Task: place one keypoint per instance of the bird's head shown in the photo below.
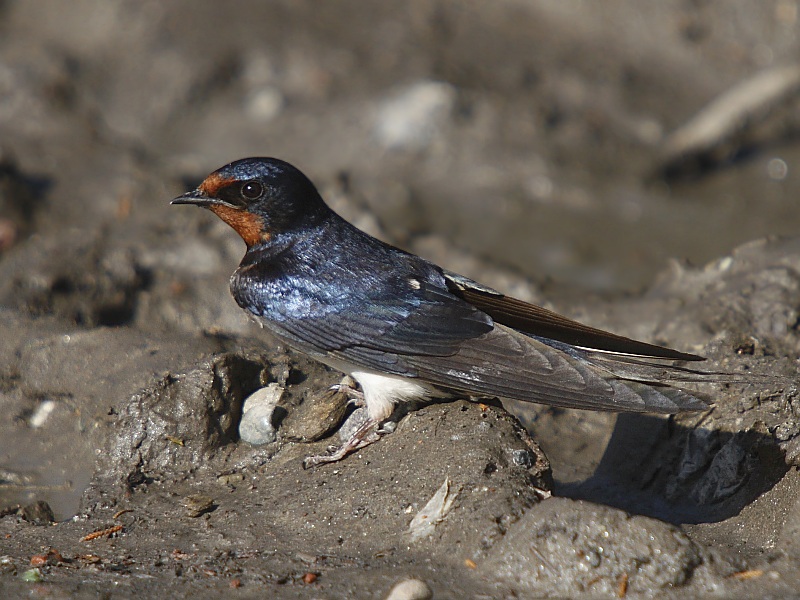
(259, 198)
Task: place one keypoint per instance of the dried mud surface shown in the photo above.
(523, 144)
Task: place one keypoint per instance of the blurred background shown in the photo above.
(554, 149)
(534, 134)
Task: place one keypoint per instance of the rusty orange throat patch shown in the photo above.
(246, 224)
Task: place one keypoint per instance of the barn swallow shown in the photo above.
(404, 328)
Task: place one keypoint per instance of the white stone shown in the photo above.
(256, 426)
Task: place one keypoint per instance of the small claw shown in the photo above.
(357, 401)
(349, 388)
(387, 427)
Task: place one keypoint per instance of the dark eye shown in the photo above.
(252, 190)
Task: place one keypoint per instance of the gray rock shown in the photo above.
(173, 427)
(579, 548)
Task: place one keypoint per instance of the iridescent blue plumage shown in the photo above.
(401, 325)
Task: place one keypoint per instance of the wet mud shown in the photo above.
(558, 151)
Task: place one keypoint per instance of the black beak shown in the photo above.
(195, 197)
(199, 198)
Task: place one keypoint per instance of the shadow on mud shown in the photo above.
(657, 468)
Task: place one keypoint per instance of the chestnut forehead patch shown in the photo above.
(214, 183)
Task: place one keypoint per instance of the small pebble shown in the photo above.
(410, 589)
(522, 458)
(231, 479)
(42, 413)
(356, 419)
(309, 578)
(256, 426)
(198, 504)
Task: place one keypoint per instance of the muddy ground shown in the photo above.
(569, 153)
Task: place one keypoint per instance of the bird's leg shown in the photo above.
(365, 435)
(368, 432)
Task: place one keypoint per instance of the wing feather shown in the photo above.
(504, 363)
(446, 330)
(538, 321)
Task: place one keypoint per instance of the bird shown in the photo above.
(405, 329)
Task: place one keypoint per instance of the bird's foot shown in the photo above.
(365, 435)
(349, 387)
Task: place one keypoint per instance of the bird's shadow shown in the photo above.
(658, 468)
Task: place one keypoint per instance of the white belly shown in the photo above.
(382, 391)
